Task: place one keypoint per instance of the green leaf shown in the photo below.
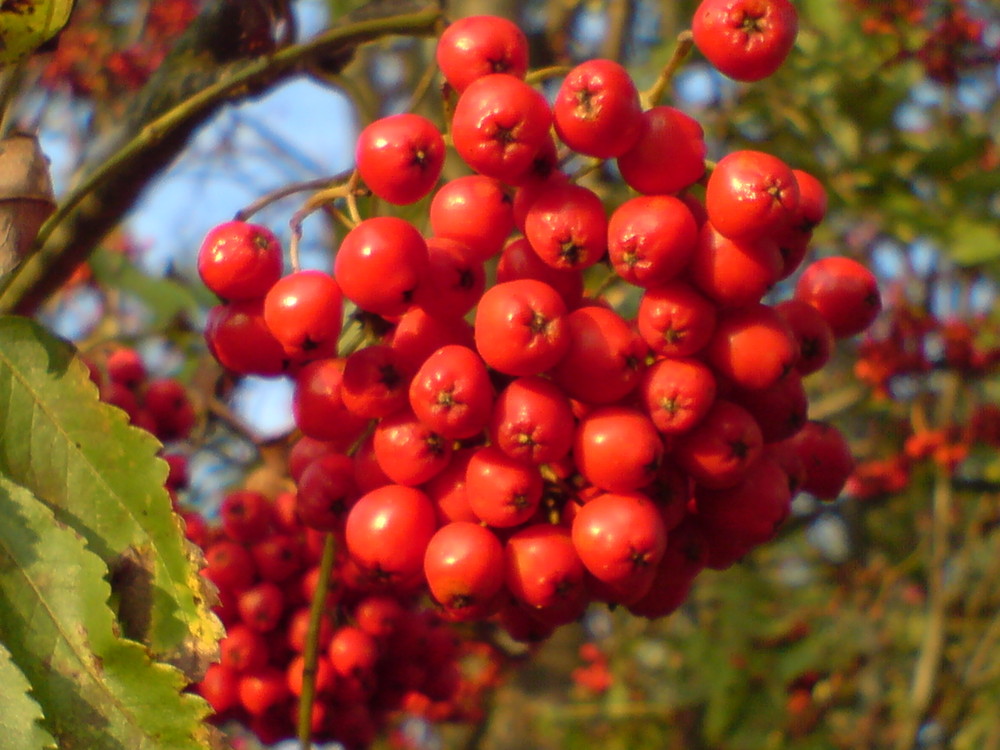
(27, 24)
(165, 299)
(20, 725)
(101, 477)
(97, 690)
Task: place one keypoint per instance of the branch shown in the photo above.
(168, 113)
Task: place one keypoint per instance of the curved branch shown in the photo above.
(165, 122)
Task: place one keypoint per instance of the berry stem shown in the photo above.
(652, 96)
(311, 650)
(544, 74)
(264, 201)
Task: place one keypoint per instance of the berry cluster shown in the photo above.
(380, 655)
(105, 51)
(952, 39)
(158, 405)
(518, 449)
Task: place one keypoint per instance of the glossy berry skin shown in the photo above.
(239, 261)
(374, 383)
(751, 194)
(532, 421)
(407, 450)
(304, 312)
(811, 331)
(543, 568)
(677, 393)
(451, 393)
(520, 327)
(387, 533)
(400, 157)
(499, 126)
(651, 239)
(597, 110)
(567, 227)
(745, 39)
(752, 347)
(380, 263)
(617, 448)
(476, 46)
(240, 340)
(826, 458)
(474, 210)
(318, 406)
(503, 492)
(464, 566)
(669, 154)
(519, 261)
(417, 335)
(605, 357)
(620, 538)
(454, 281)
(733, 273)
(446, 489)
(719, 451)
(843, 291)
(675, 320)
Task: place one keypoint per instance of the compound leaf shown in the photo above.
(97, 690)
(101, 477)
(20, 725)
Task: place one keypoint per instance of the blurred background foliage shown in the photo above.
(872, 621)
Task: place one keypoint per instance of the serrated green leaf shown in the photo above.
(27, 24)
(101, 477)
(97, 690)
(165, 299)
(20, 720)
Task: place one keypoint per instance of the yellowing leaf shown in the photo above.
(27, 24)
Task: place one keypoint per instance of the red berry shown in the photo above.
(745, 39)
(400, 157)
(843, 291)
(520, 327)
(239, 261)
(304, 312)
(597, 110)
(477, 46)
(669, 154)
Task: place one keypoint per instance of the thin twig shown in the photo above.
(652, 96)
(311, 651)
(264, 201)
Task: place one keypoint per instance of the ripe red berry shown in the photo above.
(239, 261)
(617, 448)
(318, 406)
(246, 516)
(477, 46)
(532, 421)
(409, 451)
(380, 263)
(520, 327)
(399, 157)
(677, 393)
(503, 492)
(240, 340)
(304, 312)
(474, 210)
(464, 567)
(567, 227)
(387, 532)
(605, 357)
(718, 452)
(651, 239)
(543, 568)
(519, 261)
(597, 110)
(745, 39)
(751, 194)
(675, 320)
(752, 346)
(843, 291)
(669, 154)
(499, 127)
(451, 393)
(620, 538)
